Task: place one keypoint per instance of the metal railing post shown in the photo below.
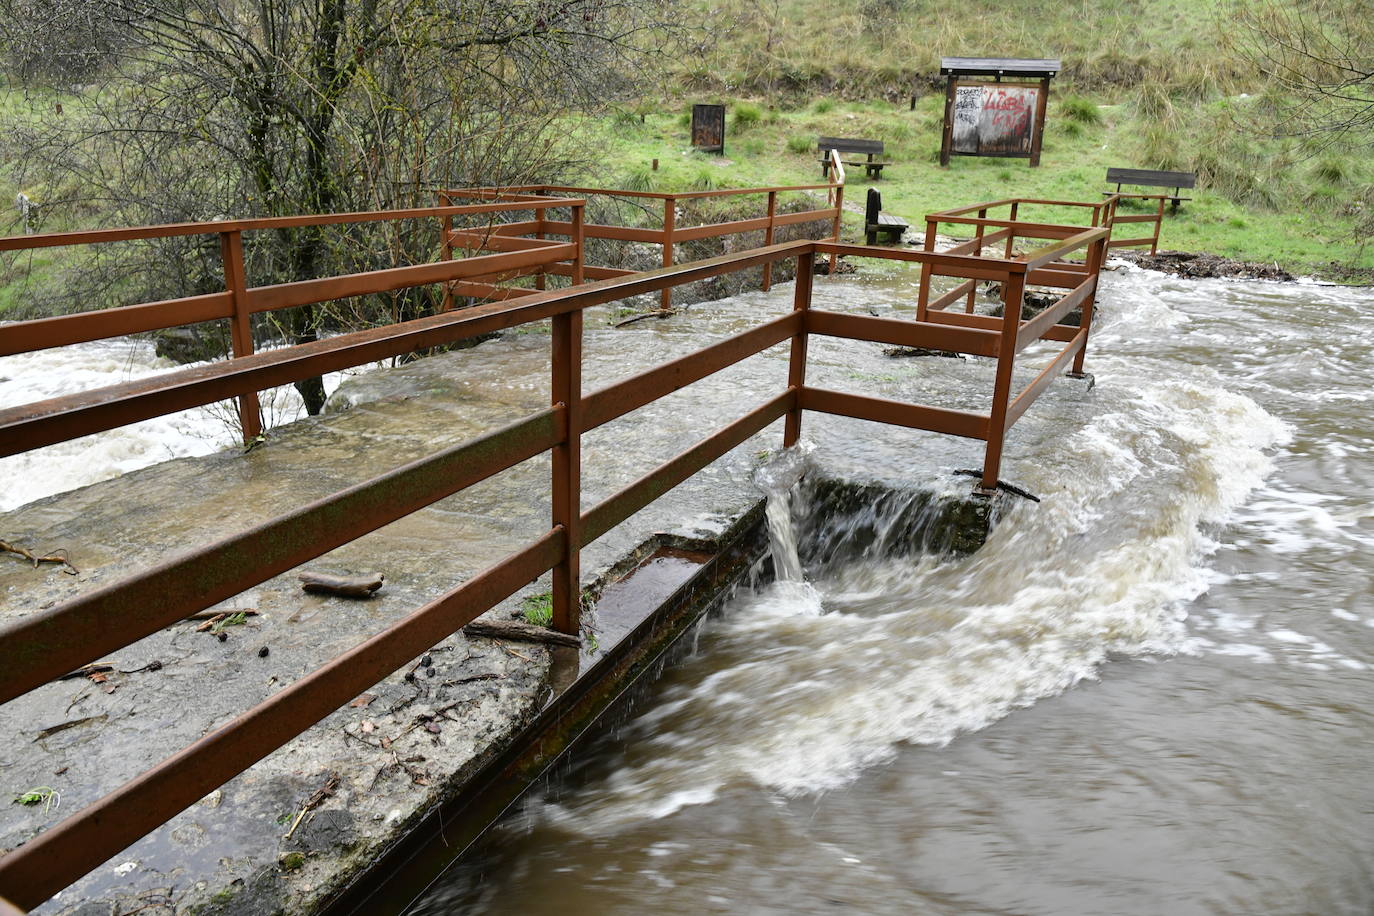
(768, 239)
(1013, 292)
(567, 469)
(446, 249)
(1097, 254)
(978, 252)
(240, 327)
(541, 278)
(923, 296)
(1011, 237)
(1159, 227)
(579, 238)
(669, 226)
(796, 366)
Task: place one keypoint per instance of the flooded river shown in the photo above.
(1149, 693)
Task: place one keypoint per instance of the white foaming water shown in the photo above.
(30, 377)
(918, 650)
(777, 479)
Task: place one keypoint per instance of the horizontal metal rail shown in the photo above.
(48, 644)
(214, 227)
(46, 422)
(84, 840)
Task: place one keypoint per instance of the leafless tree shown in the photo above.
(1320, 53)
(218, 108)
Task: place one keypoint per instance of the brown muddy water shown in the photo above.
(1150, 693)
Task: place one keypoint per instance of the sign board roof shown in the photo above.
(998, 66)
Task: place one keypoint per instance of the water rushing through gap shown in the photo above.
(1149, 693)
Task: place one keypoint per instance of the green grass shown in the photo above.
(1262, 201)
(887, 48)
(538, 609)
(46, 796)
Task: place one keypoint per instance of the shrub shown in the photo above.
(1331, 170)
(640, 178)
(625, 118)
(746, 115)
(705, 180)
(1080, 110)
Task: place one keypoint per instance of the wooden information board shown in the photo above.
(994, 117)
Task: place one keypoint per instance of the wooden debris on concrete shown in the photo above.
(343, 586)
(519, 631)
(59, 557)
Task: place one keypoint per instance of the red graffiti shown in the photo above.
(1011, 110)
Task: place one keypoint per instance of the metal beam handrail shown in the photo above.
(211, 227)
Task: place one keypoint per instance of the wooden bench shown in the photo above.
(1153, 178)
(876, 222)
(869, 148)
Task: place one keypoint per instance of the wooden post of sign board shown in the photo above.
(1041, 101)
(947, 137)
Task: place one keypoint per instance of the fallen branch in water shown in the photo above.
(59, 557)
(344, 586)
(656, 313)
(518, 631)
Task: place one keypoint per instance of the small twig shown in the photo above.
(59, 557)
(212, 615)
(316, 799)
(88, 670)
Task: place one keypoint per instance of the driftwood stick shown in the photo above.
(59, 557)
(345, 586)
(518, 631)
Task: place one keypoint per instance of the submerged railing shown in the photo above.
(50, 643)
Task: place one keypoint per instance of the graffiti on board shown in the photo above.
(994, 120)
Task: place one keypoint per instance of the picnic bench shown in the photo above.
(876, 222)
(868, 148)
(1153, 178)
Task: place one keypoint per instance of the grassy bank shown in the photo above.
(1262, 201)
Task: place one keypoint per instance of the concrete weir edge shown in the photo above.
(567, 722)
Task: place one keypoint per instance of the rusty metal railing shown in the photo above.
(49, 643)
(1044, 266)
(239, 301)
(666, 237)
(1114, 218)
